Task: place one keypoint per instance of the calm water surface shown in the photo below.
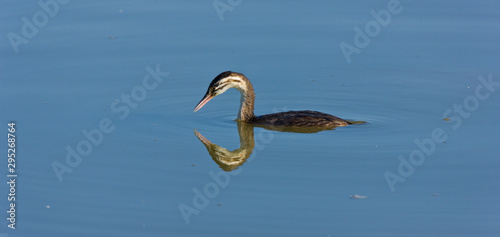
(137, 179)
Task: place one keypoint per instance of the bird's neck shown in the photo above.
(247, 102)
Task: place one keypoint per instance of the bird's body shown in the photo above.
(304, 118)
(236, 80)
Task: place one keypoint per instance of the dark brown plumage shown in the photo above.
(304, 118)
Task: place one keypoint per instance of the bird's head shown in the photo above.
(221, 83)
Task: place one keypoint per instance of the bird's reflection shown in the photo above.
(230, 160)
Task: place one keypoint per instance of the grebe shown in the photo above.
(305, 118)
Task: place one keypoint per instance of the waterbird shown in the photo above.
(297, 119)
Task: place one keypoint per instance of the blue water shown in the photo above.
(130, 73)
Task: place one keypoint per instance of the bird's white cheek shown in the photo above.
(221, 91)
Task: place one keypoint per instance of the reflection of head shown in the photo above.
(230, 160)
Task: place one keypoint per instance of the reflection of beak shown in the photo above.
(202, 138)
(203, 101)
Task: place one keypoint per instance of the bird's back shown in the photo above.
(304, 118)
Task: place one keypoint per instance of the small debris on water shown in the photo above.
(355, 196)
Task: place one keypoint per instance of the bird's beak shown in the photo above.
(203, 101)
